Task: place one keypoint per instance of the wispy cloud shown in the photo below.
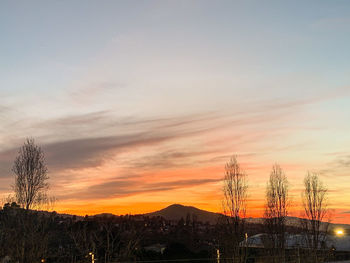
(132, 186)
(94, 91)
(88, 140)
(339, 165)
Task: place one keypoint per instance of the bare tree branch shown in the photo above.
(316, 210)
(276, 212)
(234, 204)
(30, 176)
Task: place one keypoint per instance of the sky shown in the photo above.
(139, 104)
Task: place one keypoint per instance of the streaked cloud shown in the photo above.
(132, 186)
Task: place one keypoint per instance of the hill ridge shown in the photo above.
(178, 211)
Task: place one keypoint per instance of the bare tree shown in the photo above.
(234, 204)
(315, 208)
(30, 175)
(276, 212)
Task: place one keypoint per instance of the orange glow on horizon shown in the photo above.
(181, 184)
(135, 208)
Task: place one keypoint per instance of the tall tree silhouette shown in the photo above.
(315, 209)
(235, 199)
(30, 175)
(276, 211)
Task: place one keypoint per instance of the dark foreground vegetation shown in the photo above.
(32, 236)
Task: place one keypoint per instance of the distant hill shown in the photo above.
(176, 212)
(105, 215)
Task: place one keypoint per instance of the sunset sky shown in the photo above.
(139, 104)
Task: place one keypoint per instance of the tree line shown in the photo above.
(277, 205)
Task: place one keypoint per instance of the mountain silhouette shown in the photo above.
(177, 211)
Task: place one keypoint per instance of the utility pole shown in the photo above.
(246, 247)
(298, 254)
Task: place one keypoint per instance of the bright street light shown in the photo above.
(339, 232)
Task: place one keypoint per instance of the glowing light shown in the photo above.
(339, 232)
